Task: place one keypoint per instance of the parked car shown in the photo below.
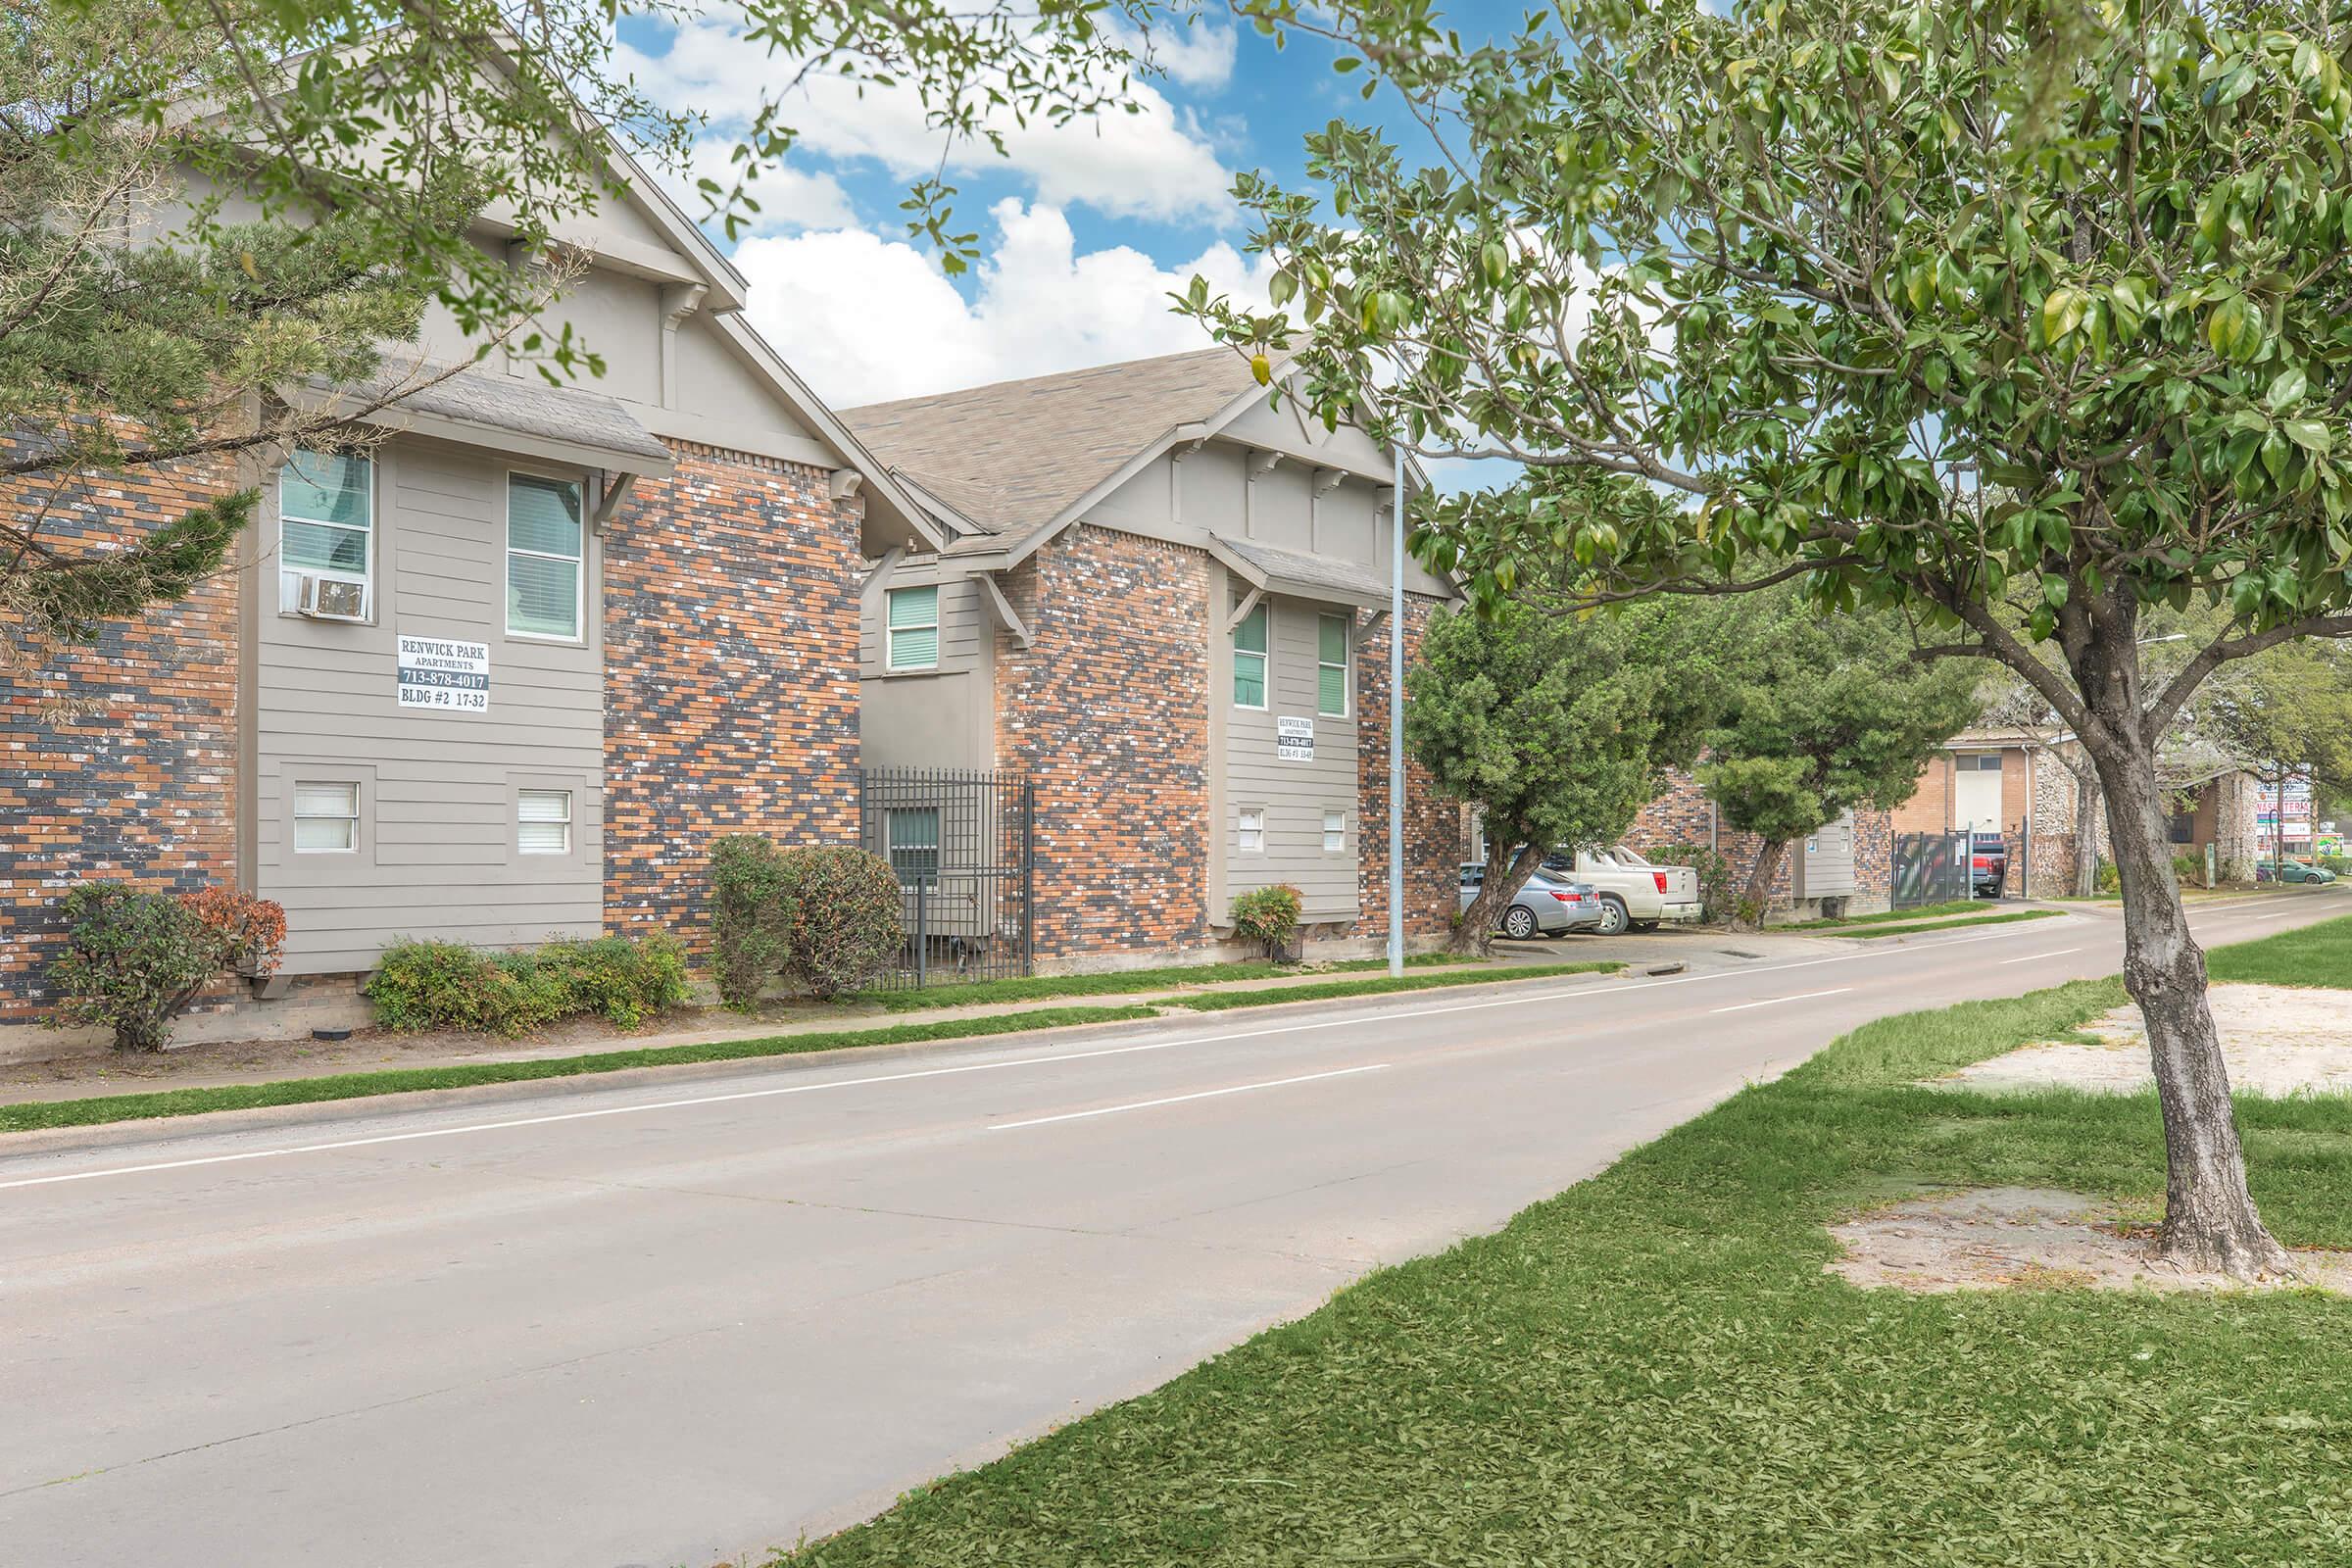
(2292, 870)
(1546, 906)
(1634, 892)
(1987, 864)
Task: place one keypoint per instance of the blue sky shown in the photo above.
(1085, 228)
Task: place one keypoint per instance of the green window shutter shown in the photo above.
(913, 628)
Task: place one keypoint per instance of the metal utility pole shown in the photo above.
(1396, 725)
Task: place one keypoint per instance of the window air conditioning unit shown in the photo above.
(330, 599)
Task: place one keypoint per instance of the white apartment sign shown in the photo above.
(1295, 740)
(450, 678)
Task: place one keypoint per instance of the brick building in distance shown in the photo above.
(498, 673)
(1163, 600)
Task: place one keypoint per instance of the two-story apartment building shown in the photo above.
(495, 672)
(1162, 597)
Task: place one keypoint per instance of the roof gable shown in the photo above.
(1014, 455)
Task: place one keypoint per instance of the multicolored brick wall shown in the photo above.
(730, 676)
(1106, 710)
(1433, 823)
(119, 758)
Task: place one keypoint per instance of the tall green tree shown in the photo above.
(1828, 714)
(2022, 317)
(1556, 729)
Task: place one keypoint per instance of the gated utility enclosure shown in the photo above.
(964, 846)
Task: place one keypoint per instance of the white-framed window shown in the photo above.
(1250, 656)
(543, 822)
(1331, 666)
(1251, 832)
(326, 816)
(1335, 832)
(913, 630)
(912, 839)
(327, 516)
(546, 572)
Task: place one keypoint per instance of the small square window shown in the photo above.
(1252, 832)
(1335, 832)
(1250, 657)
(543, 822)
(327, 818)
(913, 628)
(1331, 666)
(913, 842)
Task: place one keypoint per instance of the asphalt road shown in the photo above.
(665, 1322)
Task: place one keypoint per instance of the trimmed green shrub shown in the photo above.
(845, 918)
(134, 960)
(449, 985)
(1269, 916)
(750, 916)
(1718, 889)
(2106, 879)
(822, 918)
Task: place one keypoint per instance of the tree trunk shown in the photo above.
(1755, 899)
(1506, 874)
(2086, 835)
(2210, 1222)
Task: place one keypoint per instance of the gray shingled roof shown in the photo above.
(1310, 577)
(530, 408)
(1015, 455)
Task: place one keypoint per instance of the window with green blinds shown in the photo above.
(1331, 666)
(326, 513)
(1249, 659)
(913, 628)
(544, 557)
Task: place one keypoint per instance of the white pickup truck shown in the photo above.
(1633, 893)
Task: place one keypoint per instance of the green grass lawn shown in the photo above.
(1381, 985)
(1949, 923)
(1923, 912)
(1121, 982)
(1652, 1368)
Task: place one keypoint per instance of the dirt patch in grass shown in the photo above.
(2026, 1237)
(2278, 1040)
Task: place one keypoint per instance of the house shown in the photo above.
(496, 675)
(1161, 601)
(2032, 784)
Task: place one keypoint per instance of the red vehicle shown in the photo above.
(1987, 864)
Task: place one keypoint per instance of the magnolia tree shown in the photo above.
(1558, 731)
(2015, 318)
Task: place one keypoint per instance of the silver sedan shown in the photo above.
(1547, 906)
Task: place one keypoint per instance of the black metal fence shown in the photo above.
(1932, 869)
(964, 846)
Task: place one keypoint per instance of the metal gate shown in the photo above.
(1932, 869)
(963, 847)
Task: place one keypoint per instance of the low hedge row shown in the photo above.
(448, 985)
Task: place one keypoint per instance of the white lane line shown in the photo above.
(1774, 1002)
(1178, 1099)
(1586, 991)
(2031, 957)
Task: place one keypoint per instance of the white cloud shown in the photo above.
(1154, 164)
(790, 197)
(1198, 55)
(866, 320)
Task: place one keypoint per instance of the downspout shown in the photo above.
(1396, 722)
